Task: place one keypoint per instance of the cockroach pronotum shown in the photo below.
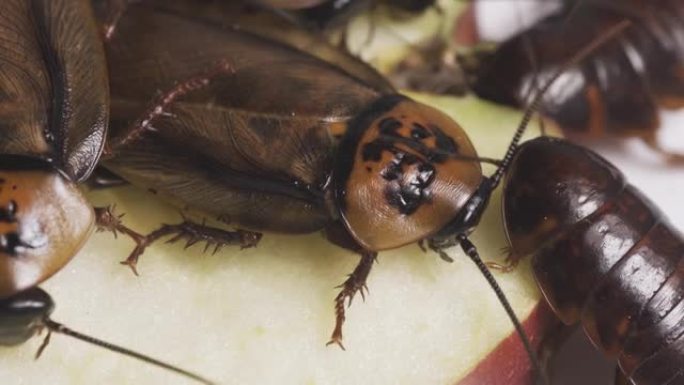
(602, 254)
(618, 90)
(54, 108)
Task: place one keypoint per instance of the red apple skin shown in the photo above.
(508, 363)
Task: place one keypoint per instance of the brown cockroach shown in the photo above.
(219, 130)
(346, 154)
(618, 90)
(54, 107)
(602, 254)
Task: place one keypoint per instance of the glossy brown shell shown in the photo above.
(53, 83)
(615, 91)
(397, 176)
(603, 255)
(44, 221)
(256, 144)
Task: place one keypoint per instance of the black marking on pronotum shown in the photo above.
(409, 180)
(372, 152)
(8, 213)
(389, 126)
(10, 243)
(349, 143)
(444, 143)
(418, 132)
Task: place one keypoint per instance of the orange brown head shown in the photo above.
(44, 221)
(404, 171)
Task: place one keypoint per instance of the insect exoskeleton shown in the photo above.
(603, 255)
(44, 221)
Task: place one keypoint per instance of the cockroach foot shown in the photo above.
(355, 283)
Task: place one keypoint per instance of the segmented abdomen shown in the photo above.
(603, 255)
(618, 89)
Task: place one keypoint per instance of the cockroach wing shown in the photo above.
(53, 83)
(249, 16)
(254, 142)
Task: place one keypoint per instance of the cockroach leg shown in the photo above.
(43, 345)
(439, 247)
(421, 245)
(192, 232)
(671, 157)
(509, 264)
(355, 283)
(164, 100)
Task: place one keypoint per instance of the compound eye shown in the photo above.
(44, 221)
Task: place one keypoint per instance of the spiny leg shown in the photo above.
(191, 231)
(355, 283)
(439, 245)
(159, 106)
(510, 262)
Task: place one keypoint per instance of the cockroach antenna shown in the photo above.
(55, 327)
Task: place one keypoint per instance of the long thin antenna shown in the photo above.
(471, 251)
(53, 326)
(534, 106)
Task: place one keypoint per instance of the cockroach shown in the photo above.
(618, 90)
(54, 107)
(264, 135)
(602, 255)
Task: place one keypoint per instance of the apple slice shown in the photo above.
(263, 315)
